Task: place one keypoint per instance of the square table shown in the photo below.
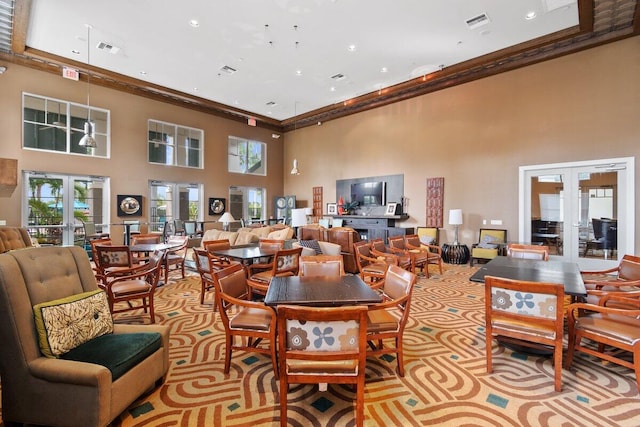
(552, 271)
(245, 254)
(320, 291)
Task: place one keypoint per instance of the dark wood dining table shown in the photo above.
(552, 271)
(245, 254)
(320, 291)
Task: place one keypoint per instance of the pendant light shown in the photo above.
(294, 169)
(88, 140)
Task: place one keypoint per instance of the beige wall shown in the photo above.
(127, 167)
(580, 107)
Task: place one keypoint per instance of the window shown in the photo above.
(248, 157)
(248, 203)
(175, 145)
(169, 201)
(54, 125)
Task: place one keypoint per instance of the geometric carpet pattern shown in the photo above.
(445, 379)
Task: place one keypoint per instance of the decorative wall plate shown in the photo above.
(129, 205)
(217, 206)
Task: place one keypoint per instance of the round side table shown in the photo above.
(455, 253)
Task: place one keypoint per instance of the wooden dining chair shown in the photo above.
(286, 262)
(387, 320)
(412, 243)
(140, 239)
(110, 258)
(372, 269)
(623, 279)
(206, 263)
(322, 345)
(419, 259)
(380, 250)
(612, 329)
(243, 318)
(321, 265)
(525, 313)
(136, 283)
(105, 241)
(176, 255)
(523, 251)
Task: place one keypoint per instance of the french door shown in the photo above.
(56, 205)
(584, 211)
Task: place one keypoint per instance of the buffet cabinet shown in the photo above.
(376, 227)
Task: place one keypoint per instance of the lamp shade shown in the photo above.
(455, 217)
(226, 218)
(308, 211)
(298, 217)
(294, 169)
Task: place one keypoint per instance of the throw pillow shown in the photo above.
(486, 242)
(66, 323)
(427, 240)
(312, 244)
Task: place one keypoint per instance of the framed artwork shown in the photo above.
(332, 209)
(391, 209)
(435, 202)
(217, 205)
(129, 205)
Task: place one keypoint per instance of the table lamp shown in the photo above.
(298, 218)
(455, 219)
(225, 219)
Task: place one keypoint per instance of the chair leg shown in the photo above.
(399, 356)
(152, 313)
(360, 404)
(557, 366)
(227, 353)
(283, 401)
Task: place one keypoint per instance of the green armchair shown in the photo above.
(48, 379)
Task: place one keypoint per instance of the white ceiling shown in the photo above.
(268, 41)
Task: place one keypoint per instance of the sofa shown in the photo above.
(47, 378)
(249, 235)
(12, 238)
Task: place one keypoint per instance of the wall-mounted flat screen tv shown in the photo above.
(369, 193)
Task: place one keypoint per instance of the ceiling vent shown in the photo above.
(478, 21)
(228, 70)
(271, 103)
(108, 48)
(338, 76)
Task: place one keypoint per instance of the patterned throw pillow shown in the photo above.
(312, 244)
(66, 323)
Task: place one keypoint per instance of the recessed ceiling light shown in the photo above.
(383, 70)
(75, 52)
(298, 72)
(195, 89)
(351, 48)
(530, 15)
(194, 23)
(332, 88)
(144, 73)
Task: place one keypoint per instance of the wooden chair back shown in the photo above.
(306, 358)
(518, 250)
(321, 265)
(527, 313)
(271, 244)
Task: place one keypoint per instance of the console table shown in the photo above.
(376, 227)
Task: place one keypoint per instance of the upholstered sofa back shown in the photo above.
(13, 238)
(248, 235)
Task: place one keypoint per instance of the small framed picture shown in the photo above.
(332, 209)
(129, 205)
(391, 209)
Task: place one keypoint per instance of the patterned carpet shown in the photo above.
(445, 381)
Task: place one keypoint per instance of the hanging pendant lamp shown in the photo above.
(294, 170)
(89, 138)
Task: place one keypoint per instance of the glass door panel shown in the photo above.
(583, 211)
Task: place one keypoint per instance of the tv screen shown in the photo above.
(368, 193)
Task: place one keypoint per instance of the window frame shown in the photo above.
(180, 153)
(72, 134)
(233, 151)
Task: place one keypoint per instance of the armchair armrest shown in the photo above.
(599, 284)
(70, 372)
(258, 267)
(388, 258)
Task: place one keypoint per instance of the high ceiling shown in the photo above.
(287, 62)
